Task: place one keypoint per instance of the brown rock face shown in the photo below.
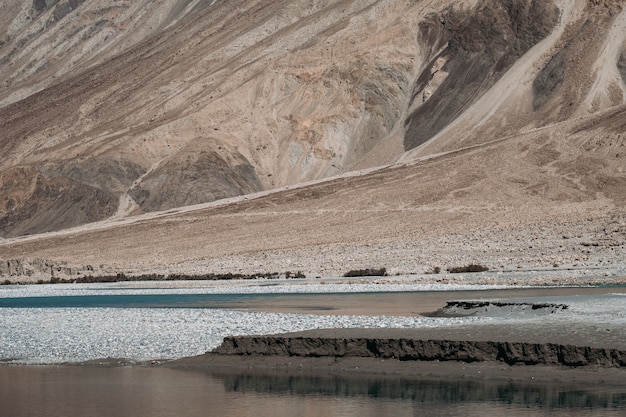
(621, 65)
(195, 177)
(478, 47)
(33, 202)
(424, 350)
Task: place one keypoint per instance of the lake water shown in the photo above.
(55, 324)
(73, 391)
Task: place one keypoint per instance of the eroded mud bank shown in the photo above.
(403, 349)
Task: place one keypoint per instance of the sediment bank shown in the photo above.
(407, 349)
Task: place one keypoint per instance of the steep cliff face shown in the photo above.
(150, 105)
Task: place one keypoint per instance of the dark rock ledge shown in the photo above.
(405, 349)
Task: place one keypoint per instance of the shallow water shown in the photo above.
(52, 324)
(361, 299)
(71, 323)
(155, 392)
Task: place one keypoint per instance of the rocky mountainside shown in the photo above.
(505, 112)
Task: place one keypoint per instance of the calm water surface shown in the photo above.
(70, 391)
(136, 391)
(379, 303)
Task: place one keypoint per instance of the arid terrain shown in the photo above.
(212, 137)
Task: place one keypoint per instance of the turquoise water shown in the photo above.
(135, 301)
(76, 326)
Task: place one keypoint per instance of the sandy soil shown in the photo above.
(404, 219)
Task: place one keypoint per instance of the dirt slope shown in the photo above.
(264, 94)
(508, 118)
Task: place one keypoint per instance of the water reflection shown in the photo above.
(445, 392)
(136, 391)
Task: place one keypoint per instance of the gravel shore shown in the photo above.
(86, 332)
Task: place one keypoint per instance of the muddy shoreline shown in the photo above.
(410, 349)
(512, 352)
(441, 360)
(585, 377)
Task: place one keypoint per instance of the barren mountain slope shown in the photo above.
(158, 105)
(238, 95)
(509, 116)
(529, 202)
(577, 71)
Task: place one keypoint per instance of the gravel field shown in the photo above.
(58, 335)
(46, 336)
